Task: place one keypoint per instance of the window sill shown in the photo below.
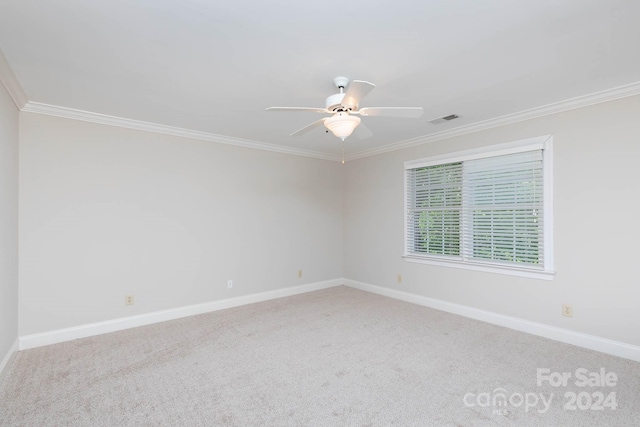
(512, 271)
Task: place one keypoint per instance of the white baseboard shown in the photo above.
(615, 348)
(83, 331)
(591, 342)
(12, 351)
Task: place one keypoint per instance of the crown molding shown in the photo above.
(87, 116)
(545, 110)
(574, 103)
(10, 81)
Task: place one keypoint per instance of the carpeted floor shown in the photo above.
(338, 356)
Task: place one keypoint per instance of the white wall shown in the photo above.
(107, 211)
(8, 223)
(597, 203)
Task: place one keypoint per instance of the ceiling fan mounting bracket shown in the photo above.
(341, 82)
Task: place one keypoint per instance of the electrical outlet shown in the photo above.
(128, 300)
(229, 284)
(399, 278)
(299, 273)
(567, 310)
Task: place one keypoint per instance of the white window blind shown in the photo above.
(503, 205)
(435, 209)
(487, 208)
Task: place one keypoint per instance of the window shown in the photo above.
(487, 209)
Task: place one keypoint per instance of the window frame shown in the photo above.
(546, 271)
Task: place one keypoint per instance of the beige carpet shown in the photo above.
(334, 357)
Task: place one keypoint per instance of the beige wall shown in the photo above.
(597, 202)
(8, 222)
(107, 211)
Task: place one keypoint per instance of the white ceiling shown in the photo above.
(214, 66)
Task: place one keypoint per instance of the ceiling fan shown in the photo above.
(345, 106)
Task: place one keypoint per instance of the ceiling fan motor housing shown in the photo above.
(334, 102)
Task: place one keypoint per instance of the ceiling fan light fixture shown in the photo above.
(342, 124)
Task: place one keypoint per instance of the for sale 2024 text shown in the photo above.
(582, 377)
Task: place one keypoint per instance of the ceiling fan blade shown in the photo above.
(358, 89)
(362, 132)
(412, 112)
(314, 109)
(307, 128)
